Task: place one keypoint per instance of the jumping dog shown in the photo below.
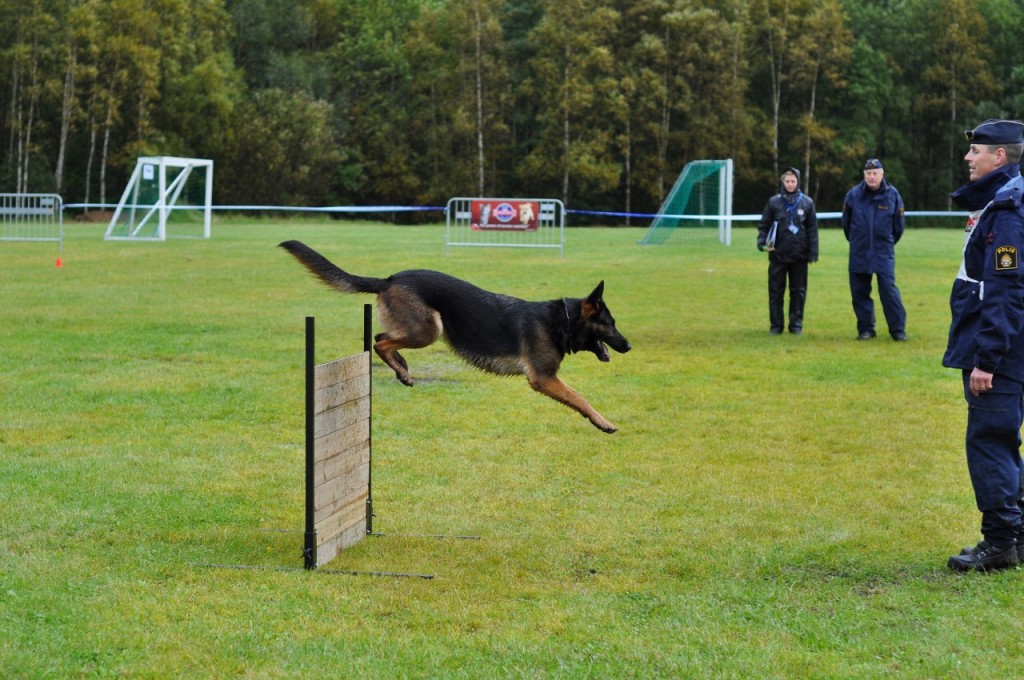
(496, 333)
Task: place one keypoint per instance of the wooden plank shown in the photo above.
(342, 369)
(337, 506)
(330, 549)
(343, 463)
(341, 504)
(342, 520)
(340, 441)
(332, 490)
(336, 419)
(336, 493)
(342, 392)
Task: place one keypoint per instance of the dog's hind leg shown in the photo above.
(380, 337)
(387, 349)
(409, 324)
(553, 387)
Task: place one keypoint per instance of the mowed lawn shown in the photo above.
(772, 507)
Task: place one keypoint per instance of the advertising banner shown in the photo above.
(504, 215)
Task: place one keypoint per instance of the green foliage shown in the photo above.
(572, 75)
(289, 136)
(772, 507)
(372, 76)
(597, 103)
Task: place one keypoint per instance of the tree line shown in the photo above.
(599, 103)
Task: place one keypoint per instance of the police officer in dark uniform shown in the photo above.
(873, 223)
(789, 232)
(986, 339)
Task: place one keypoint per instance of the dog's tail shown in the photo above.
(330, 274)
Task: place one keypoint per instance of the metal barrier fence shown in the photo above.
(505, 222)
(32, 217)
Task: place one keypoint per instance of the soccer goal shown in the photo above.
(700, 202)
(166, 197)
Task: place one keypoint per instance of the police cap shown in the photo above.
(994, 131)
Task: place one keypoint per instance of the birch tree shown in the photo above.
(33, 28)
(956, 78)
(821, 51)
(572, 81)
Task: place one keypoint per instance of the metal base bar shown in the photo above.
(337, 572)
(446, 536)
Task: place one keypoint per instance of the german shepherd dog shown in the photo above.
(496, 333)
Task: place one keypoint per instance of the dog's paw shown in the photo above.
(604, 426)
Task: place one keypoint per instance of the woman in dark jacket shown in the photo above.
(789, 232)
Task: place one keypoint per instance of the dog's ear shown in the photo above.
(592, 305)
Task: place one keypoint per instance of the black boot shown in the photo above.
(985, 557)
(1020, 548)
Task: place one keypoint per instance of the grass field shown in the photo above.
(772, 507)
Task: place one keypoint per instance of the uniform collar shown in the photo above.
(979, 193)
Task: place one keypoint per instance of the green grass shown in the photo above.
(771, 507)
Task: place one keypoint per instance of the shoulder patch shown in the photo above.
(1006, 258)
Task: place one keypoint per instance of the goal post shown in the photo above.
(701, 198)
(166, 196)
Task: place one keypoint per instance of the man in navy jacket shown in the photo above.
(986, 339)
(873, 224)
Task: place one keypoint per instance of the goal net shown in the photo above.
(700, 200)
(166, 197)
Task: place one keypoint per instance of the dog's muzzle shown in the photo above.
(620, 345)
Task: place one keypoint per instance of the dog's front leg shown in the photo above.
(553, 387)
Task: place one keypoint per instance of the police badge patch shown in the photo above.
(1006, 258)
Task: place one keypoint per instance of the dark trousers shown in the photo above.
(888, 294)
(778, 273)
(994, 420)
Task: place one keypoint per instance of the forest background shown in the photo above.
(598, 103)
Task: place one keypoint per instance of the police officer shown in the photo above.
(789, 232)
(873, 224)
(986, 339)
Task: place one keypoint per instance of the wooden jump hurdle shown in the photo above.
(339, 502)
(339, 454)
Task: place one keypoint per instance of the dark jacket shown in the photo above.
(873, 223)
(784, 209)
(987, 328)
